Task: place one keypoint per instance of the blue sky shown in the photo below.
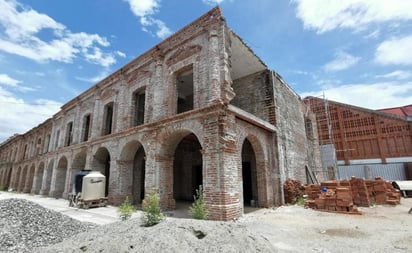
(354, 51)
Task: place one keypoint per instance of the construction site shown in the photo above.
(200, 110)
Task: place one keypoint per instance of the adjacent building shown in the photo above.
(365, 143)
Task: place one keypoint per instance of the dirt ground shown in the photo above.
(283, 229)
(295, 229)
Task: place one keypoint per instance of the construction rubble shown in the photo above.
(344, 196)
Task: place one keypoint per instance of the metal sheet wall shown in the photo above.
(392, 171)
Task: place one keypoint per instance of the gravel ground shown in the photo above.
(25, 225)
(285, 229)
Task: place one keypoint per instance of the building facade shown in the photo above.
(200, 108)
(355, 141)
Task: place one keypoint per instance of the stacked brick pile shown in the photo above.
(293, 190)
(344, 196)
(382, 192)
(360, 192)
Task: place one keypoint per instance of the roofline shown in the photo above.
(212, 16)
(383, 114)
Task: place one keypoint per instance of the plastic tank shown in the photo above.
(78, 180)
(93, 186)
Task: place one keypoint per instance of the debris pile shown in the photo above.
(293, 190)
(26, 225)
(344, 196)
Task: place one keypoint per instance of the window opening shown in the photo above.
(86, 128)
(139, 107)
(108, 112)
(184, 82)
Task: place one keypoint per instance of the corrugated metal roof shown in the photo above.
(401, 111)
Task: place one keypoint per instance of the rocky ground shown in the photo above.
(25, 225)
(284, 229)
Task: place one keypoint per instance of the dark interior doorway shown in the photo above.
(187, 168)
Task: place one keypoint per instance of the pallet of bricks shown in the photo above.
(344, 196)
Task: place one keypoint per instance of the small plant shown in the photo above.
(152, 213)
(3, 188)
(198, 210)
(301, 201)
(126, 209)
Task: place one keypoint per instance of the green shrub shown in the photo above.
(198, 210)
(3, 188)
(152, 213)
(126, 209)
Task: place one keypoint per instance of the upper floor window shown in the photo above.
(86, 127)
(56, 143)
(138, 101)
(184, 85)
(25, 152)
(47, 144)
(108, 118)
(38, 151)
(69, 134)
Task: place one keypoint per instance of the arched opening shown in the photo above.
(139, 172)
(101, 162)
(29, 180)
(79, 163)
(22, 180)
(8, 177)
(60, 181)
(187, 169)
(38, 178)
(133, 165)
(249, 175)
(17, 179)
(48, 178)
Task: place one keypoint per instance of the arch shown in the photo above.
(133, 165)
(253, 173)
(48, 178)
(60, 177)
(181, 163)
(38, 178)
(78, 163)
(22, 179)
(8, 177)
(101, 162)
(16, 179)
(29, 179)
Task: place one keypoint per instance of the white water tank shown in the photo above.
(93, 186)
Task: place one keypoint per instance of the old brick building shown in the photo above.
(356, 141)
(198, 108)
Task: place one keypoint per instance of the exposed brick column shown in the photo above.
(214, 68)
(123, 104)
(160, 109)
(221, 172)
(165, 181)
(96, 123)
(123, 180)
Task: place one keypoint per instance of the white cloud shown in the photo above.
(7, 80)
(372, 96)
(22, 26)
(94, 79)
(121, 54)
(398, 74)
(395, 51)
(18, 116)
(324, 16)
(145, 9)
(342, 61)
(212, 2)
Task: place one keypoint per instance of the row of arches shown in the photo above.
(181, 160)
